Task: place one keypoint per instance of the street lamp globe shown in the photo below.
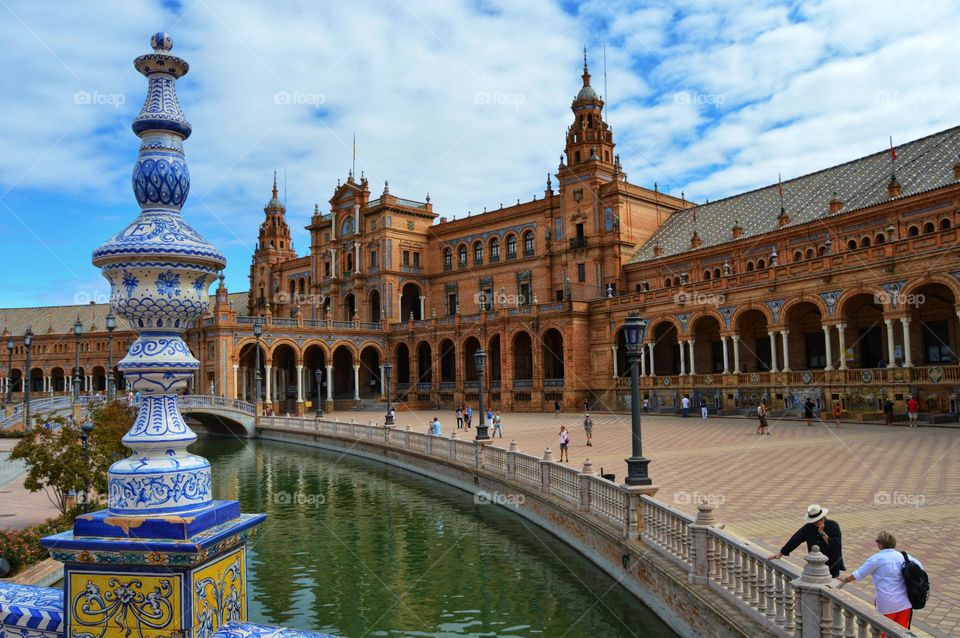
(10, 343)
(387, 372)
(480, 358)
(257, 328)
(634, 331)
(78, 327)
(111, 321)
(28, 337)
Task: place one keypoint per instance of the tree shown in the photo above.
(54, 453)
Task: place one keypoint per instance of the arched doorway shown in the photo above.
(424, 365)
(665, 348)
(933, 325)
(494, 372)
(343, 386)
(707, 347)
(374, 316)
(552, 353)
(284, 382)
(448, 362)
(349, 306)
(401, 366)
(470, 347)
(99, 379)
(522, 360)
(59, 380)
(16, 380)
(410, 302)
(246, 375)
(754, 341)
(865, 334)
(806, 343)
(370, 386)
(36, 380)
(623, 361)
(314, 358)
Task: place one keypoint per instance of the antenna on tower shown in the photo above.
(284, 188)
(606, 96)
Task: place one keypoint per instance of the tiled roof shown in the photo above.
(921, 165)
(60, 319)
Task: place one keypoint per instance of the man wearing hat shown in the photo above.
(821, 531)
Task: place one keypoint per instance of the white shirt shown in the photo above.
(885, 568)
(685, 402)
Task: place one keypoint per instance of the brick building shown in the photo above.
(839, 285)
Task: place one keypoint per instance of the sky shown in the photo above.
(466, 101)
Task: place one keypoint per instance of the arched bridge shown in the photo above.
(216, 414)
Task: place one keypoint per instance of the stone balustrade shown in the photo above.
(774, 594)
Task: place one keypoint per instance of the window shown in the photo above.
(462, 255)
(581, 272)
(452, 303)
(864, 242)
(797, 255)
(810, 254)
(879, 239)
(913, 231)
(349, 262)
(416, 260)
(716, 273)
(495, 249)
(928, 228)
(447, 259)
(478, 253)
(525, 298)
(944, 224)
(405, 260)
(852, 244)
(576, 157)
(706, 275)
(528, 244)
(373, 259)
(761, 264)
(668, 282)
(749, 266)
(511, 246)
(326, 272)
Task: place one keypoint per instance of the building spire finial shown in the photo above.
(585, 69)
(274, 184)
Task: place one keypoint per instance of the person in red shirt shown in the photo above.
(913, 411)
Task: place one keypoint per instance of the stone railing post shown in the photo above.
(814, 606)
(545, 470)
(701, 543)
(512, 460)
(406, 436)
(478, 451)
(585, 473)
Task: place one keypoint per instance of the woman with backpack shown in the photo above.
(564, 444)
(899, 580)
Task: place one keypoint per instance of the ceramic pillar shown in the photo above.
(785, 337)
(726, 356)
(693, 364)
(329, 382)
(356, 382)
(235, 388)
(267, 368)
(842, 334)
(736, 353)
(613, 349)
(826, 346)
(891, 351)
(643, 359)
(773, 351)
(299, 384)
(683, 359)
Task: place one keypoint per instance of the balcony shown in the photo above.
(412, 269)
(578, 242)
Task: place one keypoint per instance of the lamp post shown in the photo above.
(28, 345)
(387, 371)
(634, 330)
(257, 332)
(111, 326)
(319, 375)
(85, 431)
(77, 333)
(480, 358)
(10, 371)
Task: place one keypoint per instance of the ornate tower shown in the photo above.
(589, 139)
(273, 246)
(164, 558)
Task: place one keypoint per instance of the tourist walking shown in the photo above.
(888, 411)
(913, 411)
(556, 408)
(837, 411)
(460, 417)
(497, 426)
(821, 531)
(808, 407)
(703, 409)
(588, 429)
(469, 416)
(489, 418)
(762, 415)
(564, 443)
(646, 405)
(435, 427)
(685, 406)
(887, 567)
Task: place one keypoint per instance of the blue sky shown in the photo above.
(467, 101)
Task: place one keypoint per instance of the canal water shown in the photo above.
(358, 548)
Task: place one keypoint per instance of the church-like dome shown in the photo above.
(587, 93)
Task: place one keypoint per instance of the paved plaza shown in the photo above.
(871, 477)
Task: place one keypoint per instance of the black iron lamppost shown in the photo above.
(111, 326)
(77, 332)
(480, 358)
(28, 345)
(387, 371)
(257, 332)
(634, 331)
(319, 374)
(10, 371)
(85, 431)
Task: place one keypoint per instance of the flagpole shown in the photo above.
(353, 167)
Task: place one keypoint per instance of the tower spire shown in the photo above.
(274, 184)
(586, 69)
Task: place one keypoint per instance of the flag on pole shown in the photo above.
(780, 191)
(893, 151)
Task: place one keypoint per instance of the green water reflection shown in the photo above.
(358, 548)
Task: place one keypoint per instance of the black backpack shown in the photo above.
(917, 581)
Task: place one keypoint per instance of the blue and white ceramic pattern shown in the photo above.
(159, 269)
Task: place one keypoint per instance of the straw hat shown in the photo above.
(815, 513)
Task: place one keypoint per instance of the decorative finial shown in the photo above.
(316, 209)
(428, 198)
(386, 187)
(274, 183)
(585, 69)
(161, 42)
